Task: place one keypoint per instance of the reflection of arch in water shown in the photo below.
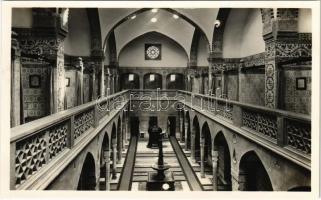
(224, 162)
(87, 180)
(253, 173)
(175, 81)
(154, 83)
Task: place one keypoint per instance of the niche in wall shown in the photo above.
(152, 81)
(175, 81)
(129, 81)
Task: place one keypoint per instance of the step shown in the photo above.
(208, 187)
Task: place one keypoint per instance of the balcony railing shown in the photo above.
(284, 128)
(38, 143)
(43, 142)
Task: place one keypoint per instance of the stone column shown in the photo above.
(210, 79)
(181, 127)
(126, 129)
(114, 146)
(15, 82)
(202, 145)
(164, 82)
(119, 150)
(214, 166)
(112, 87)
(193, 145)
(107, 166)
(80, 85)
(186, 130)
(102, 80)
(141, 81)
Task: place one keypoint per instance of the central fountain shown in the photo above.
(161, 180)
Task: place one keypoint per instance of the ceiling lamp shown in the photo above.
(154, 19)
(175, 16)
(154, 10)
(133, 17)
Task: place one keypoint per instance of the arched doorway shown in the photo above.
(104, 149)
(152, 81)
(224, 163)
(175, 81)
(114, 151)
(87, 180)
(206, 136)
(188, 132)
(253, 174)
(196, 132)
(129, 81)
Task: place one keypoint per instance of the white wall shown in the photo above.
(243, 33)
(305, 21)
(133, 54)
(22, 17)
(78, 40)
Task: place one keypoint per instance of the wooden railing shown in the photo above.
(36, 144)
(284, 128)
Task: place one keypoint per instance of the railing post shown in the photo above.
(70, 138)
(281, 137)
(13, 166)
(237, 115)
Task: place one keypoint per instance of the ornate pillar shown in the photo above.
(16, 109)
(214, 167)
(114, 146)
(193, 145)
(281, 43)
(107, 166)
(119, 150)
(202, 145)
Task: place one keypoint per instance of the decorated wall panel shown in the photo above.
(35, 84)
(252, 87)
(297, 90)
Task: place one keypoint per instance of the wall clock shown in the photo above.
(153, 52)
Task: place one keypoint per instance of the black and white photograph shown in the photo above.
(141, 97)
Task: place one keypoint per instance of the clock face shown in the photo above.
(152, 52)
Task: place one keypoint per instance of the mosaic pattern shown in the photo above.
(34, 99)
(83, 122)
(57, 140)
(261, 123)
(299, 136)
(30, 157)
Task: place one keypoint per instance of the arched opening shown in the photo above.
(224, 163)
(104, 149)
(129, 81)
(253, 175)
(206, 135)
(188, 132)
(152, 81)
(119, 139)
(175, 81)
(87, 180)
(114, 151)
(196, 132)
